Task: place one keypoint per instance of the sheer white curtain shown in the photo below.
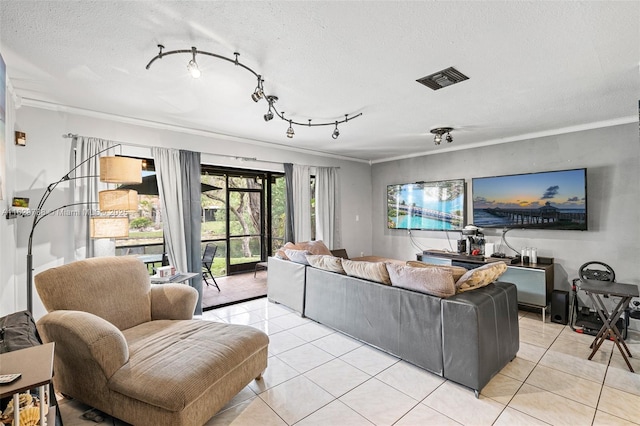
(167, 164)
(301, 203)
(85, 191)
(328, 206)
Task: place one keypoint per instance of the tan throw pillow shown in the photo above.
(327, 263)
(313, 247)
(434, 281)
(372, 271)
(297, 256)
(316, 247)
(457, 271)
(480, 277)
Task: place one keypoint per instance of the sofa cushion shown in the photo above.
(327, 263)
(377, 259)
(313, 247)
(171, 363)
(298, 256)
(457, 271)
(435, 281)
(372, 271)
(480, 277)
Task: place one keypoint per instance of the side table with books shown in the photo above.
(178, 277)
(35, 364)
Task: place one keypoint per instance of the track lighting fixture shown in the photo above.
(439, 131)
(192, 66)
(290, 131)
(258, 93)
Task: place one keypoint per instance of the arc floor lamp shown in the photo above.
(113, 169)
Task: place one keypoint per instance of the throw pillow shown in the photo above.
(297, 256)
(480, 277)
(280, 254)
(457, 271)
(327, 263)
(314, 247)
(372, 271)
(435, 281)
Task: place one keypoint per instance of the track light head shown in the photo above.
(290, 131)
(259, 92)
(336, 132)
(439, 132)
(268, 116)
(192, 66)
(257, 95)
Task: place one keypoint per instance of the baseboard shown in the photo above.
(222, 305)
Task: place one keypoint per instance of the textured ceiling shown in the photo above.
(535, 68)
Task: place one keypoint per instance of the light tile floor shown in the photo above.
(317, 376)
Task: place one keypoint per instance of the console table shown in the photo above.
(534, 281)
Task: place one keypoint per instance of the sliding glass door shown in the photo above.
(243, 209)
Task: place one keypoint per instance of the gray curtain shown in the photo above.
(328, 206)
(192, 206)
(288, 205)
(86, 190)
(167, 163)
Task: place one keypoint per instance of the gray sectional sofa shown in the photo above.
(467, 338)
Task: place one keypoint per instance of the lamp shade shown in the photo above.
(109, 227)
(118, 199)
(120, 170)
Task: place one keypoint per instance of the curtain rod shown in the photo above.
(235, 157)
(75, 135)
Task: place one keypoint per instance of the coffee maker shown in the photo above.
(475, 240)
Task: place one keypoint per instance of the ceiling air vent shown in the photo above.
(443, 78)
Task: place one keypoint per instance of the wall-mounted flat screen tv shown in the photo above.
(429, 206)
(546, 200)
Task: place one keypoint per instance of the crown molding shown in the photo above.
(52, 106)
(535, 135)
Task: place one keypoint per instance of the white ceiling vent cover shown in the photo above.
(443, 78)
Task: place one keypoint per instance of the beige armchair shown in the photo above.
(132, 349)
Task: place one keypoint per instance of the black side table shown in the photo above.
(596, 290)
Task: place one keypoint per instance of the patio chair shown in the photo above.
(207, 260)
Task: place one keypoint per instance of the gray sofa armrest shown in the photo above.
(286, 283)
(480, 333)
(173, 301)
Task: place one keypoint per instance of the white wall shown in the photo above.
(8, 227)
(46, 158)
(612, 158)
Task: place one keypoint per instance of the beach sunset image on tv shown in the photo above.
(547, 200)
(435, 206)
